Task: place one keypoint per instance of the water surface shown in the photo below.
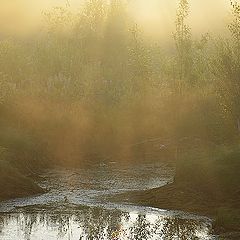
(75, 207)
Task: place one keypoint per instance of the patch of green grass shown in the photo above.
(227, 219)
(14, 184)
(211, 172)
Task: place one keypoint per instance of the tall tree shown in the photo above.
(226, 67)
(115, 54)
(90, 27)
(183, 41)
(139, 63)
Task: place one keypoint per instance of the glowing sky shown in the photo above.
(156, 16)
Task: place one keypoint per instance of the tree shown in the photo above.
(182, 37)
(115, 54)
(89, 29)
(226, 68)
(139, 64)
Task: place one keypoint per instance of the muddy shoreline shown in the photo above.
(184, 198)
(14, 184)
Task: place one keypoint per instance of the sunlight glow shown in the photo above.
(156, 17)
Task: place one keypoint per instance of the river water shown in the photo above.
(76, 207)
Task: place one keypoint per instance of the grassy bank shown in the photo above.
(14, 184)
(204, 185)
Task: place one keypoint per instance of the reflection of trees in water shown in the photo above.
(99, 224)
(61, 221)
(27, 224)
(177, 228)
(141, 229)
(3, 222)
(95, 223)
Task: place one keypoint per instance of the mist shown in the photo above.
(99, 92)
(156, 18)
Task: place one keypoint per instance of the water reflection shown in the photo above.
(75, 208)
(87, 223)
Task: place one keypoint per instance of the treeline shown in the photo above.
(91, 83)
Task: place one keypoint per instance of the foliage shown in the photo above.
(226, 69)
(93, 75)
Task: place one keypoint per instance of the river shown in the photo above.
(76, 207)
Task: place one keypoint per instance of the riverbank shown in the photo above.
(206, 187)
(176, 197)
(14, 184)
